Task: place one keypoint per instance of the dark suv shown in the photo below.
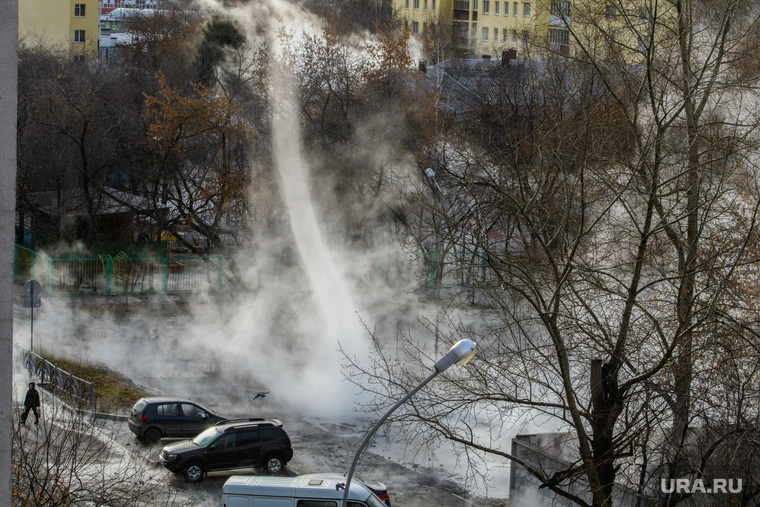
(240, 443)
(153, 418)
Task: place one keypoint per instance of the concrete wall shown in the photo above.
(8, 107)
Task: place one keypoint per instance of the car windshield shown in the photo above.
(206, 437)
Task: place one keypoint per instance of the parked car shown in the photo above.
(378, 488)
(157, 417)
(239, 443)
(257, 491)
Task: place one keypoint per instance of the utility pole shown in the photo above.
(8, 111)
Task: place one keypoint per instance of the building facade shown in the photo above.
(71, 25)
(488, 26)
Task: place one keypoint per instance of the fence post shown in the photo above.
(166, 274)
(108, 268)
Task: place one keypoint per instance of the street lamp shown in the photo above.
(438, 264)
(460, 354)
(431, 174)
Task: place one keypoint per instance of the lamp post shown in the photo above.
(437, 263)
(460, 354)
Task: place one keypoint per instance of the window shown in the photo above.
(167, 409)
(486, 6)
(193, 411)
(526, 10)
(496, 8)
(514, 36)
(417, 4)
(316, 503)
(515, 8)
(525, 37)
(79, 10)
(425, 4)
(433, 4)
(495, 34)
(79, 38)
(227, 440)
(644, 14)
(249, 437)
(506, 35)
(561, 8)
(462, 5)
(407, 4)
(610, 12)
(415, 27)
(559, 36)
(485, 33)
(475, 6)
(269, 434)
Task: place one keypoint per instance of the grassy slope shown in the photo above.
(113, 392)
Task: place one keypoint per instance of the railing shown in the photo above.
(49, 373)
(456, 268)
(119, 275)
(123, 275)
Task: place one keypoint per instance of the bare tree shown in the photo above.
(68, 460)
(68, 140)
(613, 198)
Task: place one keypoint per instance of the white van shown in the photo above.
(264, 491)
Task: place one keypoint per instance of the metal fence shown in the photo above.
(456, 268)
(119, 275)
(49, 373)
(123, 275)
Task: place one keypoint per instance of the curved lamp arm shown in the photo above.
(460, 354)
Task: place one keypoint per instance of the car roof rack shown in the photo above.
(250, 419)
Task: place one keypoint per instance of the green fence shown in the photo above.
(457, 268)
(119, 275)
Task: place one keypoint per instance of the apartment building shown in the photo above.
(488, 26)
(71, 25)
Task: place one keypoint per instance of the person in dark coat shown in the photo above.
(31, 402)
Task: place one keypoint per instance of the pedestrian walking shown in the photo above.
(31, 402)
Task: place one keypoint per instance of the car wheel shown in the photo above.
(194, 472)
(274, 464)
(152, 435)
